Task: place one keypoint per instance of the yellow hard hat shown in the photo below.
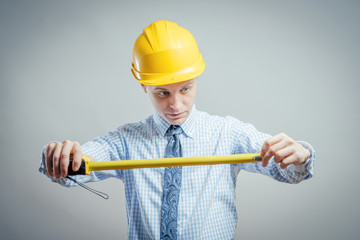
(166, 53)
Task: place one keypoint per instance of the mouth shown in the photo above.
(176, 115)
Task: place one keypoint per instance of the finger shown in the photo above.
(287, 161)
(265, 159)
(283, 153)
(266, 146)
(273, 151)
(49, 159)
(76, 150)
(263, 151)
(64, 157)
(283, 150)
(303, 154)
(297, 157)
(283, 165)
(56, 160)
(275, 139)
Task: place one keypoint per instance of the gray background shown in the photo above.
(285, 66)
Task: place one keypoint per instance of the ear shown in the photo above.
(143, 87)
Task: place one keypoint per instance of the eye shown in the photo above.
(163, 93)
(185, 90)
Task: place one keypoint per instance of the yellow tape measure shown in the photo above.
(87, 166)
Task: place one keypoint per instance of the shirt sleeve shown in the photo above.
(247, 139)
(105, 148)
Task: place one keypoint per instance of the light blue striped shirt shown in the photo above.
(207, 199)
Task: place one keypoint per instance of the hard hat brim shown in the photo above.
(157, 79)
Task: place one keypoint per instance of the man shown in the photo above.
(192, 202)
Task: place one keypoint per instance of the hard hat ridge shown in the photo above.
(159, 35)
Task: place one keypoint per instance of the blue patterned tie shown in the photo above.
(172, 185)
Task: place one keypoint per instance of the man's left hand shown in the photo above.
(284, 150)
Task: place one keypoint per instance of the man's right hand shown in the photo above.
(58, 156)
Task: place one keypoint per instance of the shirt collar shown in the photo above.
(188, 126)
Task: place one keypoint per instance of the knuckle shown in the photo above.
(283, 134)
(297, 155)
(50, 146)
(272, 150)
(64, 155)
(56, 158)
(277, 156)
(66, 141)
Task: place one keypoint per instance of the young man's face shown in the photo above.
(174, 101)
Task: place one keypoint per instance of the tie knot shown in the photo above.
(174, 130)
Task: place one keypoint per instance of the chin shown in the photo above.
(176, 121)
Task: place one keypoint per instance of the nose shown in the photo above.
(175, 101)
